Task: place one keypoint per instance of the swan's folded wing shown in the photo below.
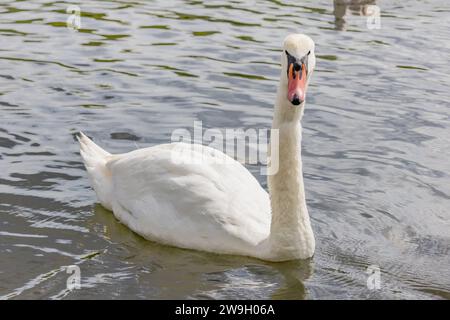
(192, 201)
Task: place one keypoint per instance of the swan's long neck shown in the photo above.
(291, 234)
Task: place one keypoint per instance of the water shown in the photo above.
(375, 147)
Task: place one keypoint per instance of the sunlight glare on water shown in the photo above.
(375, 142)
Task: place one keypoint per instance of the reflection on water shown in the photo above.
(356, 7)
(375, 142)
(208, 275)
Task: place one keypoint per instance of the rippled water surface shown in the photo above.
(376, 143)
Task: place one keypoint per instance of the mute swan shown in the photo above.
(217, 207)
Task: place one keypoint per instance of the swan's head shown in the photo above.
(298, 62)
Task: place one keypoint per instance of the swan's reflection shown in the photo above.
(165, 272)
(356, 7)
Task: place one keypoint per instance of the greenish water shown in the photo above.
(375, 143)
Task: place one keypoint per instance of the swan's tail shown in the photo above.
(95, 159)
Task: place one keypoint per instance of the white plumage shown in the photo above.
(188, 196)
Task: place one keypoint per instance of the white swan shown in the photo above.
(212, 206)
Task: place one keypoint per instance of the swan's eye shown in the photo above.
(308, 52)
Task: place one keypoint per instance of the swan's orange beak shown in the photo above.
(296, 83)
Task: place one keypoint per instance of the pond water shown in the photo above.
(375, 143)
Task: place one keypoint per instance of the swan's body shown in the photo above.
(202, 202)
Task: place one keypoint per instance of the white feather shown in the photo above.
(188, 197)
